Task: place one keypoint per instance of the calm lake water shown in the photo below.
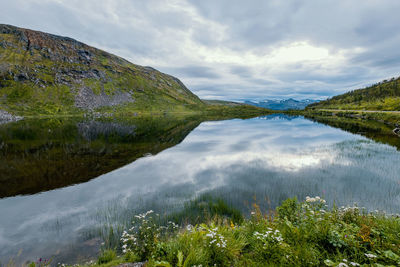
(65, 183)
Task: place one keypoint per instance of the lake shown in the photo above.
(66, 185)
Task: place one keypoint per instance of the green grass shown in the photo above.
(203, 209)
(303, 233)
(388, 118)
(107, 256)
(384, 95)
(385, 103)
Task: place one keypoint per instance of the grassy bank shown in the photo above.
(389, 118)
(296, 234)
(207, 111)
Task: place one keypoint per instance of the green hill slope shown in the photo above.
(381, 96)
(42, 73)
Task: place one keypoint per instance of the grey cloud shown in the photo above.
(148, 32)
(241, 71)
(333, 23)
(193, 71)
(378, 59)
(259, 81)
(306, 75)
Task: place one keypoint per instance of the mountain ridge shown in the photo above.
(49, 74)
(283, 104)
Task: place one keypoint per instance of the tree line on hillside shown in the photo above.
(375, 93)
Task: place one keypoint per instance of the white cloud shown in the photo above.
(235, 49)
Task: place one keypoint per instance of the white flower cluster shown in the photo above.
(216, 238)
(349, 209)
(143, 215)
(126, 239)
(269, 235)
(354, 210)
(370, 256)
(346, 263)
(315, 200)
(131, 238)
(173, 225)
(189, 227)
(91, 262)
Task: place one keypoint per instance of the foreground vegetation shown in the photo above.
(297, 234)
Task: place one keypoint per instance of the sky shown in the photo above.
(234, 49)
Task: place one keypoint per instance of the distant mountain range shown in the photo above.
(283, 104)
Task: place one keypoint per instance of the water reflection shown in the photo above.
(375, 130)
(39, 155)
(269, 158)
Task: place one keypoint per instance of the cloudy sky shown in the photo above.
(235, 49)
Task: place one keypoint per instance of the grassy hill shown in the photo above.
(45, 74)
(384, 95)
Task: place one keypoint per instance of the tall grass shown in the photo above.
(297, 233)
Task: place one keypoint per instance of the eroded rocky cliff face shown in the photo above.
(45, 73)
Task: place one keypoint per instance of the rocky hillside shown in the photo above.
(42, 73)
(384, 95)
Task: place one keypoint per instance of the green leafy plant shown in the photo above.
(106, 256)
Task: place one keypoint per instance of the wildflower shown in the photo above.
(216, 238)
(354, 263)
(269, 236)
(315, 199)
(310, 200)
(342, 264)
(370, 256)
